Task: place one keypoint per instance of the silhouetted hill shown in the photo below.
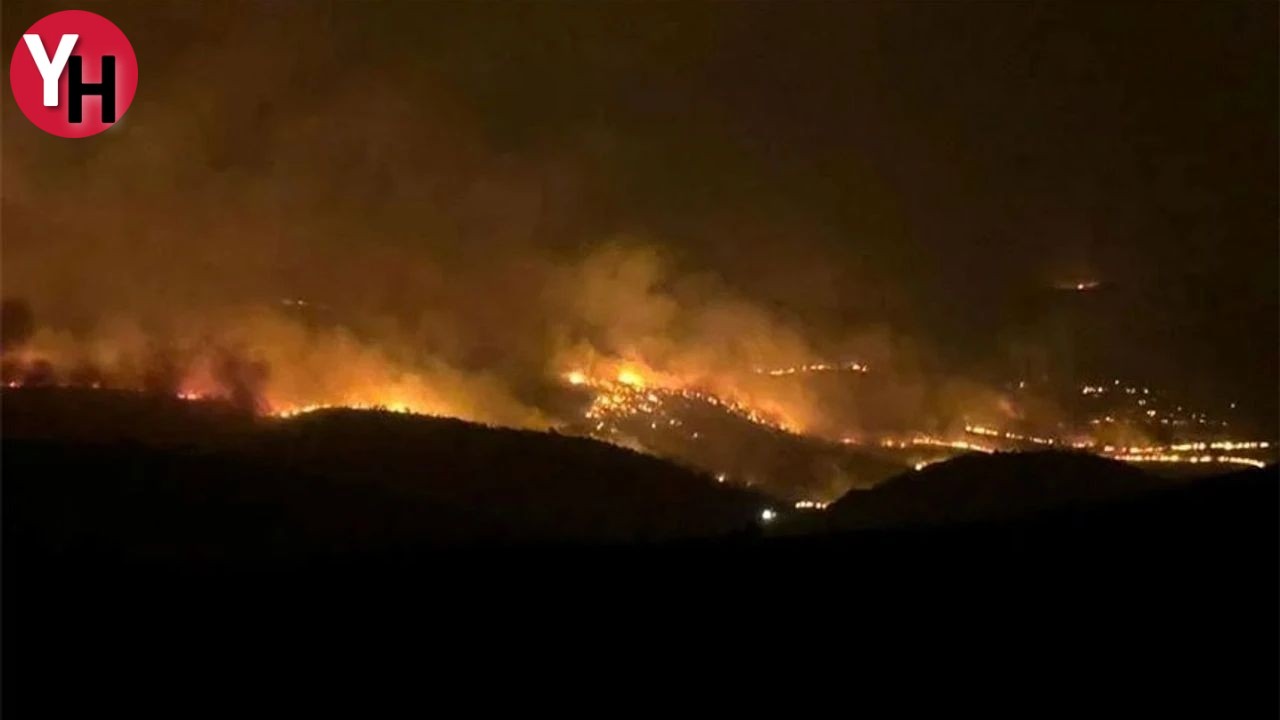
(976, 487)
(101, 416)
(145, 476)
(360, 521)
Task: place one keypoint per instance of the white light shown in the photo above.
(768, 515)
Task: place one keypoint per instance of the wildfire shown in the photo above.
(398, 408)
(934, 441)
(991, 432)
(1185, 452)
(281, 370)
(630, 377)
(813, 368)
(1191, 453)
(632, 393)
(1187, 459)
(264, 362)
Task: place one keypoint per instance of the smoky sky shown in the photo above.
(922, 170)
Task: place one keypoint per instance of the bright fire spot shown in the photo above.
(576, 377)
(627, 376)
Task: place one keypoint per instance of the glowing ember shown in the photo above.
(813, 368)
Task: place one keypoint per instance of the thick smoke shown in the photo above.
(284, 223)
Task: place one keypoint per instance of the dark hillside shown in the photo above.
(116, 472)
(978, 487)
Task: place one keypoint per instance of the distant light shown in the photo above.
(768, 515)
(720, 477)
(1078, 285)
(576, 378)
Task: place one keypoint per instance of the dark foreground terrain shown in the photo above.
(172, 555)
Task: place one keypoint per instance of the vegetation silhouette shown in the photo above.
(146, 535)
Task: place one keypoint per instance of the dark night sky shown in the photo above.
(930, 167)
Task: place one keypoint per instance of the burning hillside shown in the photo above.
(738, 442)
(779, 427)
(744, 426)
(259, 360)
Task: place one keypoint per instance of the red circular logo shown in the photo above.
(74, 74)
